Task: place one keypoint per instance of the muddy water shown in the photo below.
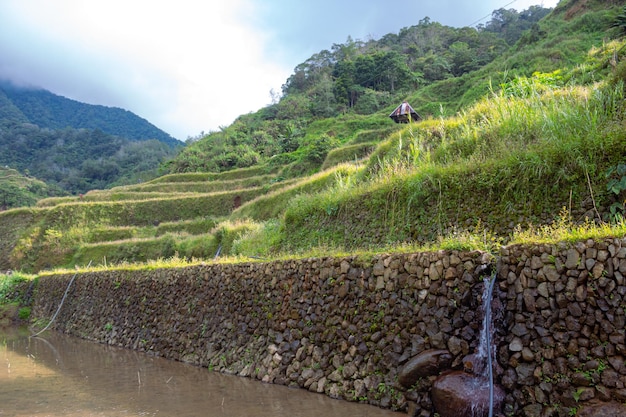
(55, 375)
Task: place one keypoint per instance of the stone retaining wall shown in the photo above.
(345, 327)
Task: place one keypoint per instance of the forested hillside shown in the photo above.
(47, 110)
(356, 79)
(79, 160)
(74, 147)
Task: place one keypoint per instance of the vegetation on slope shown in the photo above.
(335, 94)
(15, 294)
(75, 147)
(50, 111)
(507, 162)
(77, 161)
(17, 190)
(536, 150)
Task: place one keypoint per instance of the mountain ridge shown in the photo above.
(74, 147)
(46, 109)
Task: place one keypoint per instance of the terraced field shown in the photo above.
(131, 223)
(191, 215)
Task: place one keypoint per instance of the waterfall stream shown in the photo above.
(486, 350)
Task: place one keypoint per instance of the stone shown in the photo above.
(529, 301)
(535, 262)
(586, 394)
(610, 378)
(533, 410)
(434, 272)
(455, 345)
(307, 373)
(543, 290)
(458, 393)
(345, 266)
(321, 384)
(335, 376)
(428, 363)
(349, 370)
(343, 290)
(516, 345)
(597, 270)
(519, 330)
(528, 354)
(551, 273)
(525, 374)
(379, 269)
(597, 409)
(573, 259)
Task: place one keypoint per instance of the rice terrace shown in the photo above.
(430, 223)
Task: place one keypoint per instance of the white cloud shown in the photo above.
(186, 66)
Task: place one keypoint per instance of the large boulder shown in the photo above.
(427, 363)
(458, 393)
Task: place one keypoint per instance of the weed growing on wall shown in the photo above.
(616, 185)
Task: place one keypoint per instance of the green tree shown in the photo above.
(323, 103)
(461, 58)
(346, 88)
(393, 71)
(434, 67)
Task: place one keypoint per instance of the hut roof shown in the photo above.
(404, 113)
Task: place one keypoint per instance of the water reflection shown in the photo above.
(56, 375)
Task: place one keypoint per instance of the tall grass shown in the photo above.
(529, 115)
(523, 151)
(565, 229)
(262, 240)
(235, 174)
(529, 147)
(8, 283)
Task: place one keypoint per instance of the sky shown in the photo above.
(192, 66)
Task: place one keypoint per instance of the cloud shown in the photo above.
(191, 66)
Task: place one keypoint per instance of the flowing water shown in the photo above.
(56, 375)
(486, 349)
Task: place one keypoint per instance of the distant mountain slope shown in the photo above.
(8, 110)
(48, 110)
(79, 160)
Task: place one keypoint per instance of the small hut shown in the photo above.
(404, 113)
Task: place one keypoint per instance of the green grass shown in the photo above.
(374, 135)
(494, 173)
(12, 286)
(202, 186)
(130, 250)
(53, 201)
(195, 226)
(564, 229)
(273, 204)
(346, 127)
(236, 174)
(349, 153)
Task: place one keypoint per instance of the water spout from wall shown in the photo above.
(486, 349)
(473, 392)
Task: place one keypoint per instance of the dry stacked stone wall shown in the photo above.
(345, 327)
